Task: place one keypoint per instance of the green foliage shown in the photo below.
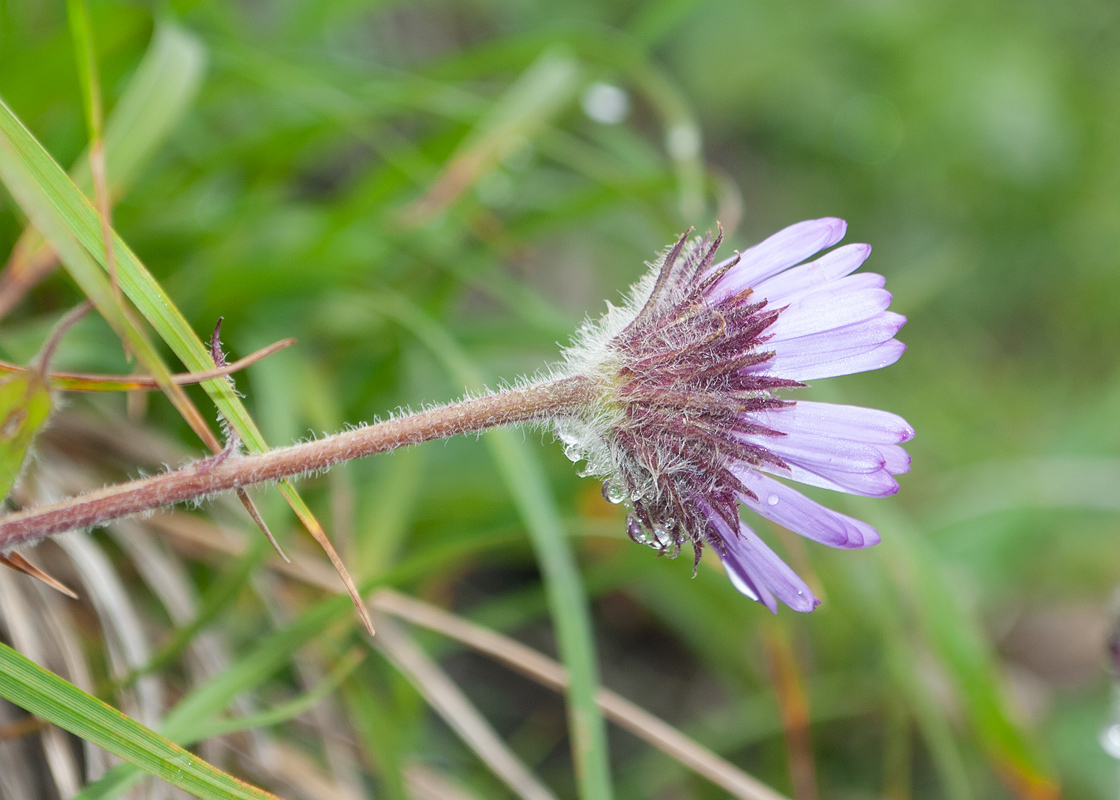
(295, 166)
(25, 405)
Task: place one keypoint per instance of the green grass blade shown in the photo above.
(25, 405)
(519, 115)
(279, 713)
(48, 184)
(29, 686)
(956, 639)
(87, 65)
(272, 653)
(21, 179)
(163, 88)
(567, 598)
(210, 699)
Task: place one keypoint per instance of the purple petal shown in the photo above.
(843, 448)
(875, 330)
(793, 510)
(895, 460)
(879, 483)
(809, 277)
(828, 365)
(758, 572)
(825, 452)
(785, 248)
(855, 423)
(829, 309)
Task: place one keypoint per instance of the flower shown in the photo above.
(688, 423)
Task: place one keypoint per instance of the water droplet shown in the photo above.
(636, 532)
(772, 500)
(1110, 740)
(613, 492)
(573, 451)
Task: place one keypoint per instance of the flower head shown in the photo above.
(690, 420)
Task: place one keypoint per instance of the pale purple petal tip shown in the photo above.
(757, 571)
(789, 508)
(794, 283)
(781, 251)
(855, 423)
(840, 362)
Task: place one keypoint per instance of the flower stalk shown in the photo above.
(228, 471)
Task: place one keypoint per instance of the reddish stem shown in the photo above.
(534, 403)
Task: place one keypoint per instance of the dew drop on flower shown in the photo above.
(636, 532)
(772, 500)
(573, 451)
(613, 492)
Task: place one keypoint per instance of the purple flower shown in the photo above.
(689, 424)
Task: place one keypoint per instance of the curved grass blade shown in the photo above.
(90, 382)
(25, 405)
(29, 686)
(273, 652)
(567, 598)
(162, 89)
(954, 636)
(75, 226)
(534, 99)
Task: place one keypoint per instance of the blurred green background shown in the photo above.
(505, 166)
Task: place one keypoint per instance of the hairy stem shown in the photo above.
(221, 473)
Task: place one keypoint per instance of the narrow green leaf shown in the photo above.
(42, 183)
(272, 653)
(25, 405)
(519, 115)
(160, 91)
(29, 686)
(280, 713)
(87, 65)
(567, 598)
(21, 178)
(954, 636)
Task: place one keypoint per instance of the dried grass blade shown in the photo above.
(19, 563)
(547, 672)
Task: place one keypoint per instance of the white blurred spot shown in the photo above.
(683, 142)
(605, 103)
(1110, 740)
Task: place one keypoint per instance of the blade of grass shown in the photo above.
(218, 598)
(45, 187)
(274, 651)
(567, 598)
(279, 713)
(962, 648)
(20, 181)
(88, 382)
(451, 704)
(210, 699)
(91, 96)
(29, 686)
(161, 90)
(521, 113)
(540, 668)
